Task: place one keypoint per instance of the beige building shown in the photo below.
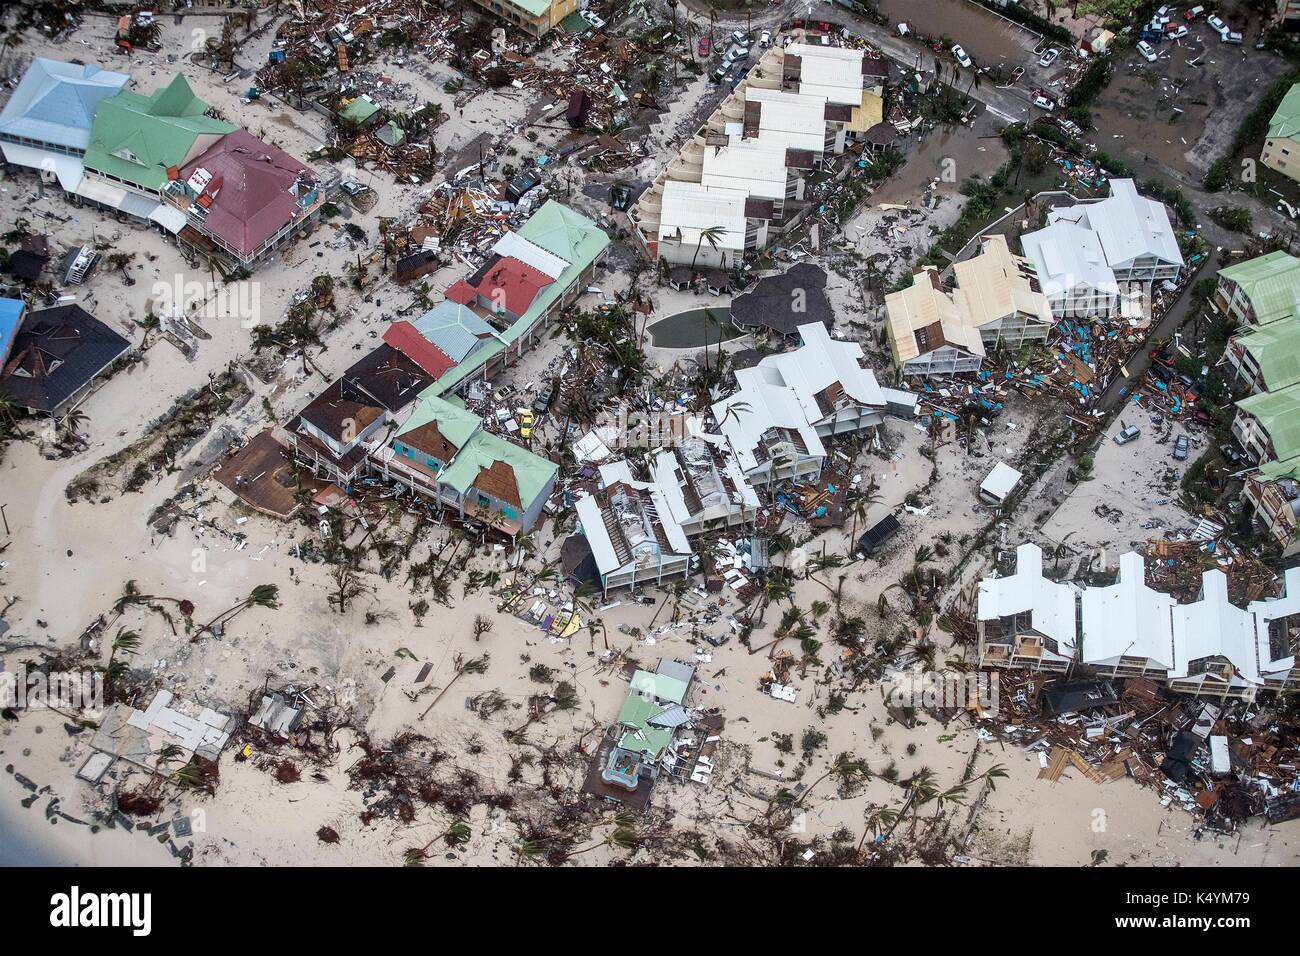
(1282, 145)
(996, 303)
(535, 17)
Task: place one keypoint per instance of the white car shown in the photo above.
(1231, 36)
(765, 39)
(1177, 34)
(961, 56)
(1048, 58)
(1217, 25)
(591, 18)
(1147, 50)
(1044, 102)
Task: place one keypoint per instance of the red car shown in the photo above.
(706, 44)
(1163, 357)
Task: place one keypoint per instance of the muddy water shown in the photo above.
(986, 37)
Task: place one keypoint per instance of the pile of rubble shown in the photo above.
(1229, 762)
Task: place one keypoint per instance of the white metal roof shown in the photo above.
(1068, 257)
(689, 209)
(833, 72)
(1001, 481)
(1213, 627)
(1270, 610)
(781, 392)
(1051, 604)
(1128, 619)
(1129, 226)
(517, 247)
(796, 120)
(67, 169)
(752, 166)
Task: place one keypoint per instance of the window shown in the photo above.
(484, 501)
(509, 512)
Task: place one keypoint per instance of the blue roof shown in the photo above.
(454, 328)
(11, 319)
(56, 102)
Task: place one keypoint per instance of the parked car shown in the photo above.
(1016, 74)
(1147, 50)
(527, 421)
(904, 29)
(1161, 356)
(1202, 417)
(1176, 32)
(705, 46)
(1233, 454)
(721, 72)
(1048, 58)
(1217, 25)
(1231, 37)
(1127, 434)
(765, 39)
(736, 54)
(1193, 13)
(1180, 448)
(1044, 102)
(544, 398)
(961, 56)
(740, 37)
(591, 18)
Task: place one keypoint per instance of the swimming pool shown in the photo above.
(694, 329)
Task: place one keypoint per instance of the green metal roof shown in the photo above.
(1278, 413)
(136, 138)
(637, 710)
(359, 110)
(1273, 470)
(647, 741)
(1276, 350)
(659, 686)
(1271, 282)
(535, 8)
(1285, 123)
(456, 424)
(531, 471)
(562, 232)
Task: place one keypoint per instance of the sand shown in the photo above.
(68, 563)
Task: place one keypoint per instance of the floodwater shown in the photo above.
(987, 38)
(694, 329)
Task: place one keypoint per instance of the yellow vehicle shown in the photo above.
(526, 422)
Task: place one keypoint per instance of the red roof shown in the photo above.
(461, 292)
(404, 337)
(512, 284)
(251, 189)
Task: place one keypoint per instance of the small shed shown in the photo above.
(579, 109)
(1000, 483)
(875, 537)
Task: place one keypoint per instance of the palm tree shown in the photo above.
(859, 506)
(475, 665)
(455, 835)
(847, 767)
(710, 235)
(9, 408)
(264, 595)
(622, 837)
(71, 424)
(127, 642)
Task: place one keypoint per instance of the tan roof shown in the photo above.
(996, 284)
(925, 308)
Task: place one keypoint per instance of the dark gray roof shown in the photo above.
(783, 303)
(55, 354)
